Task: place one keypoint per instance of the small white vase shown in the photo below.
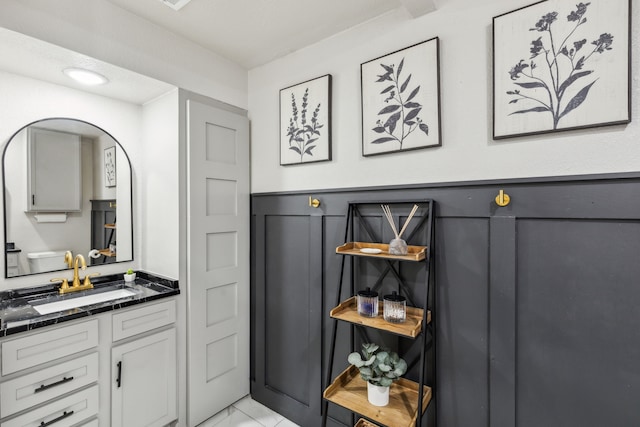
(377, 395)
(130, 277)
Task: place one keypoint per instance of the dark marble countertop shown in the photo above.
(17, 312)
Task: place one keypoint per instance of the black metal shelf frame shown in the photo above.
(427, 336)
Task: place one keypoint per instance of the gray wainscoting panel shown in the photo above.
(578, 323)
(536, 303)
(462, 279)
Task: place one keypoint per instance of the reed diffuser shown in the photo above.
(397, 246)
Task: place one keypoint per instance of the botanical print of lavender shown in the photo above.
(302, 134)
(562, 65)
(401, 109)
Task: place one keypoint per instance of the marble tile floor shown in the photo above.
(246, 412)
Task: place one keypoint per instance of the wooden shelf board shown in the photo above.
(350, 391)
(348, 311)
(415, 253)
(106, 252)
(112, 226)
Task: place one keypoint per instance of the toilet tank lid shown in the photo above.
(45, 254)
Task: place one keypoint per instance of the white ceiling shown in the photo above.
(248, 32)
(254, 32)
(30, 57)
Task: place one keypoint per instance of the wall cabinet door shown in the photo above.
(144, 381)
(54, 178)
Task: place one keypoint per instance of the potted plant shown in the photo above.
(379, 368)
(129, 276)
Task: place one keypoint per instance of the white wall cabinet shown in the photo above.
(143, 392)
(54, 171)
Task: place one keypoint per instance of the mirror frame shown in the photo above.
(4, 192)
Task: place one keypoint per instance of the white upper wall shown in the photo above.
(106, 32)
(468, 151)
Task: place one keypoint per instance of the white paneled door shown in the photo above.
(218, 259)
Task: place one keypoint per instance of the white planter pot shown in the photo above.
(130, 277)
(377, 395)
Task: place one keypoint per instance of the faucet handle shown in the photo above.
(65, 283)
(87, 279)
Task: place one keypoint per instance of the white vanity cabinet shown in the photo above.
(144, 366)
(117, 368)
(50, 377)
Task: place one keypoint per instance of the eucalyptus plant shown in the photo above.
(378, 366)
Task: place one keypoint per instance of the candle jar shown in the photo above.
(395, 308)
(368, 303)
(398, 247)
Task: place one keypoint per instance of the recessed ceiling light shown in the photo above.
(86, 77)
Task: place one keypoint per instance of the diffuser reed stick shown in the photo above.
(387, 213)
(404, 227)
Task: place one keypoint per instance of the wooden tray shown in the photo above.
(348, 311)
(415, 253)
(364, 423)
(350, 391)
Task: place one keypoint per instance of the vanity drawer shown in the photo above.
(36, 388)
(23, 353)
(146, 318)
(64, 412)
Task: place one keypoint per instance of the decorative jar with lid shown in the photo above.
(367, 303)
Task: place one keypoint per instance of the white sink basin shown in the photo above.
(70, 303)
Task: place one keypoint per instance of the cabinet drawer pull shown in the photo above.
(48, 386)
(119, 379)
(64, 415)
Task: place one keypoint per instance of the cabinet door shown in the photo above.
(54, 171)
(144, 381)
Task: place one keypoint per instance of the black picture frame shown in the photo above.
(110, 166)
(560, 66)
(305, 122)
(400, 97)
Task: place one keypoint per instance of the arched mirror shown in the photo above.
(67, 187)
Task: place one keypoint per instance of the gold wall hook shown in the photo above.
(502, 199)
(314, 202)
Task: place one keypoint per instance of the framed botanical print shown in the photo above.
(305, 122)
(401, 100)
(110, 166)
(560, 65)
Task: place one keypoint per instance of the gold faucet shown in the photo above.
(76, 279)
(75, 286)
(68, 259)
